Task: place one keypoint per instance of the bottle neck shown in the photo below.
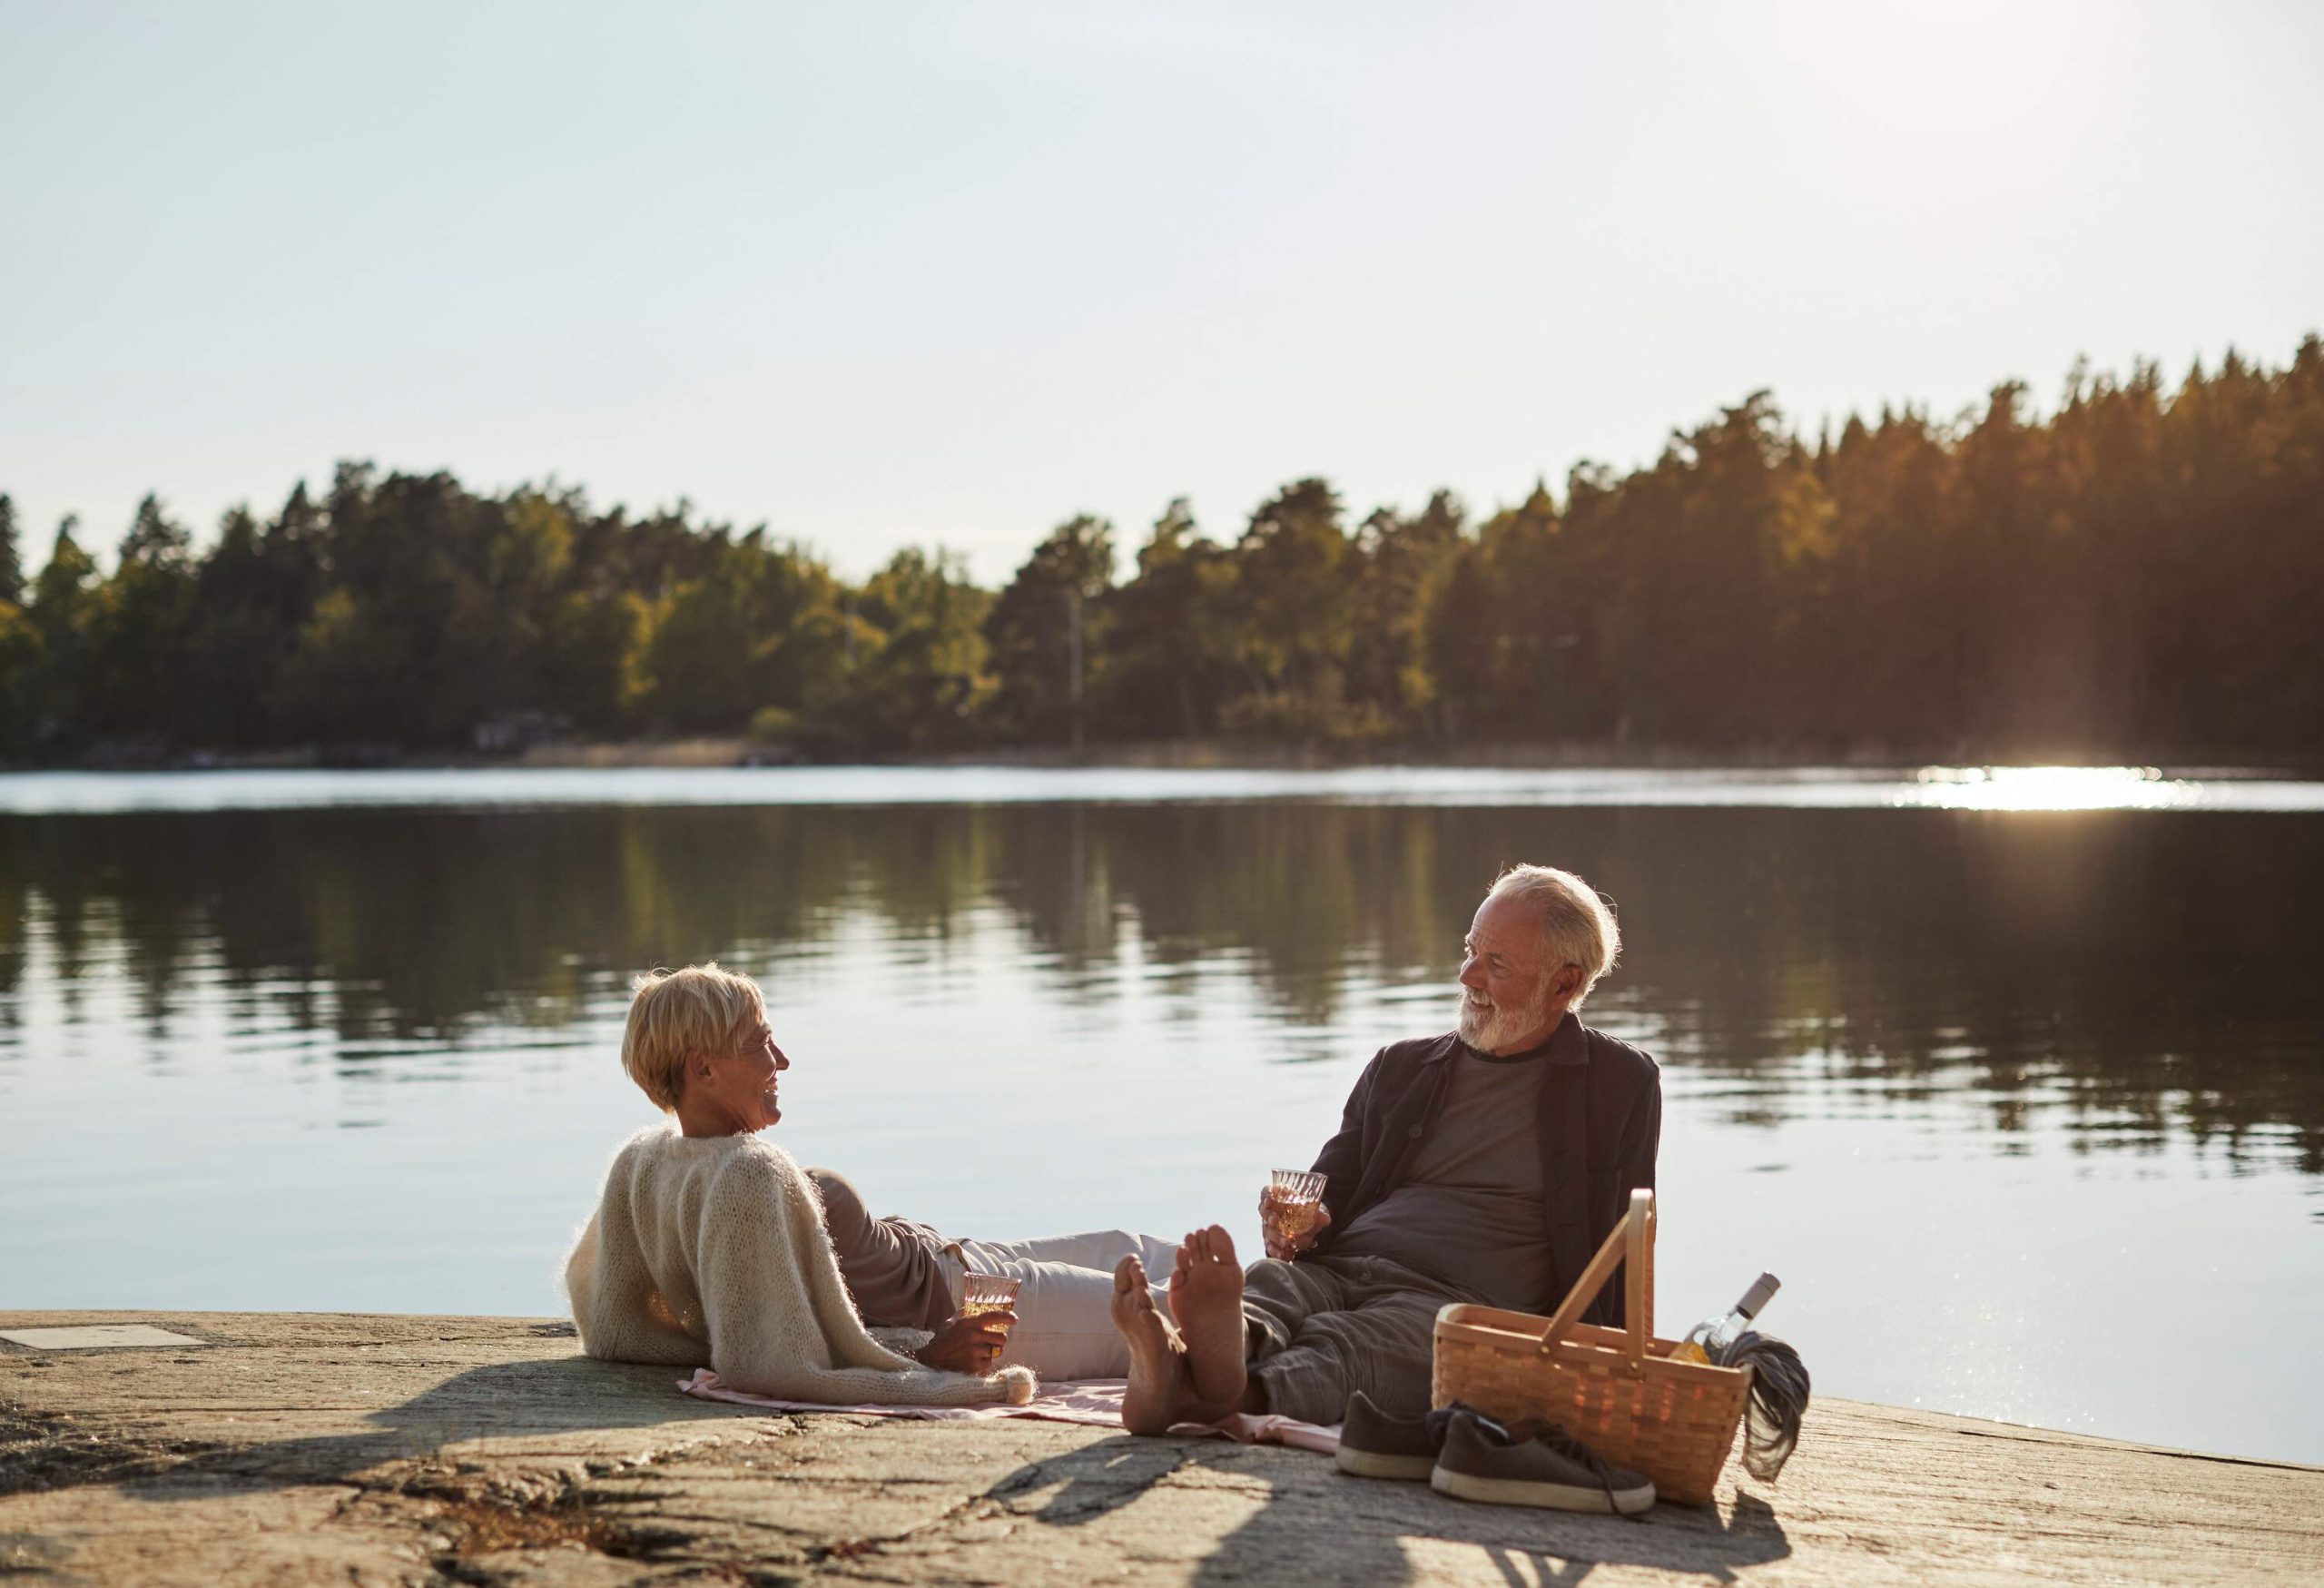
(1762, 1291)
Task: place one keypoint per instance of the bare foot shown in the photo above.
(1158, 1357)
(1207, 1298)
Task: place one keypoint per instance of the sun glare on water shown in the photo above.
(2050, 788)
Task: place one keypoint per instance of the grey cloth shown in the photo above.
(1778, 1400)
(1469, 1211)
(1323, 1327)
(892, 1266)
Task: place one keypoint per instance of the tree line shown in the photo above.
(2138, 573)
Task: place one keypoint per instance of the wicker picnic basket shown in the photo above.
(1615, 1389)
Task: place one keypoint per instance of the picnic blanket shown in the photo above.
(1095, 1401)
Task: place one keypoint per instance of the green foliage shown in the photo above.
(61, 613)
(20, 659)
(2141, 573)
(237, 641)
(1402, 565)
(137, 624)
(1501, 627)
(923, 685)
(20, 647)
(1294, 614)
(11, 560)
(1168, 662)
(756, 630)
(1045, 627)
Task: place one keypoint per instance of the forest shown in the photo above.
(2137, 574)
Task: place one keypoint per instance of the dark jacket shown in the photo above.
(1600, 1127)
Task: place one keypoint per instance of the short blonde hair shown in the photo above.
(1577, 921)
(675, 1014)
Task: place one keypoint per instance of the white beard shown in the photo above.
(1501, 1025)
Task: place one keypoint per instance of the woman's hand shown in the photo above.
(1287, 1250)
(968, 1345)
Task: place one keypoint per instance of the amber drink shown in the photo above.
(982, 1295)
(1294, 1200)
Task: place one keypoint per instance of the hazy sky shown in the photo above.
(950, 273)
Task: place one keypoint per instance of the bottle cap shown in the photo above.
(1762, 1291)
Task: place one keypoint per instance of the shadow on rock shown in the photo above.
(515, 1400)
(1308, 1520)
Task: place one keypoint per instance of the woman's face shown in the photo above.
(742, 1084)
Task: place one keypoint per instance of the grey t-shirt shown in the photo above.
(1469, 1212)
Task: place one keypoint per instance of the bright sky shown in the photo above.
(949, 274)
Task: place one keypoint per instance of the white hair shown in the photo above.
(1577, 921)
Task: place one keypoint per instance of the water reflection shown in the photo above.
(2029, 788)
(2135, 978)
(2054, 788)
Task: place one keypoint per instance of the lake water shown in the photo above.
(2016, 1080)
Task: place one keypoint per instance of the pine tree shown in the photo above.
(12, 562)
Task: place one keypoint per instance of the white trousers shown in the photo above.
(1065, 1297)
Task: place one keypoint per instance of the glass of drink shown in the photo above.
(1294, 1197)
(984, 1294)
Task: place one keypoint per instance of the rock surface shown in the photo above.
(292, 1448)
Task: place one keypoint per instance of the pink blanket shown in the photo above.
(1095, 1401)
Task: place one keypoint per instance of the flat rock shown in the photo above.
(95, 1338)
(290, 1448)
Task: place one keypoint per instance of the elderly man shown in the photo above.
(1484, 1165)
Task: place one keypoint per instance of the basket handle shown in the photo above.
(1632, 1238)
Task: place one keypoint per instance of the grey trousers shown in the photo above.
(1323, 1327)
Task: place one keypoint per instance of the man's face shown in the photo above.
(1511, 995)
(743, 1082)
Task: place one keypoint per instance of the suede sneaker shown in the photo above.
(1544, 1467)
(1374, 1445)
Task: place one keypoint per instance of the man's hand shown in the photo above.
(968, 1345)
(1284, 1250)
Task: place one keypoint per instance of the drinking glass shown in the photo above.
(987, 1293)
(1293, 1197)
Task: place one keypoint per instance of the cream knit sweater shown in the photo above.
(713, 1248)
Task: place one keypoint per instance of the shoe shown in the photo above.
(1374, 1445)
(1544, 1467)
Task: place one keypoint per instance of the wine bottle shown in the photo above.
(1707, 1341)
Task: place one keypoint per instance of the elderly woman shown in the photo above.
(709, 1243)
